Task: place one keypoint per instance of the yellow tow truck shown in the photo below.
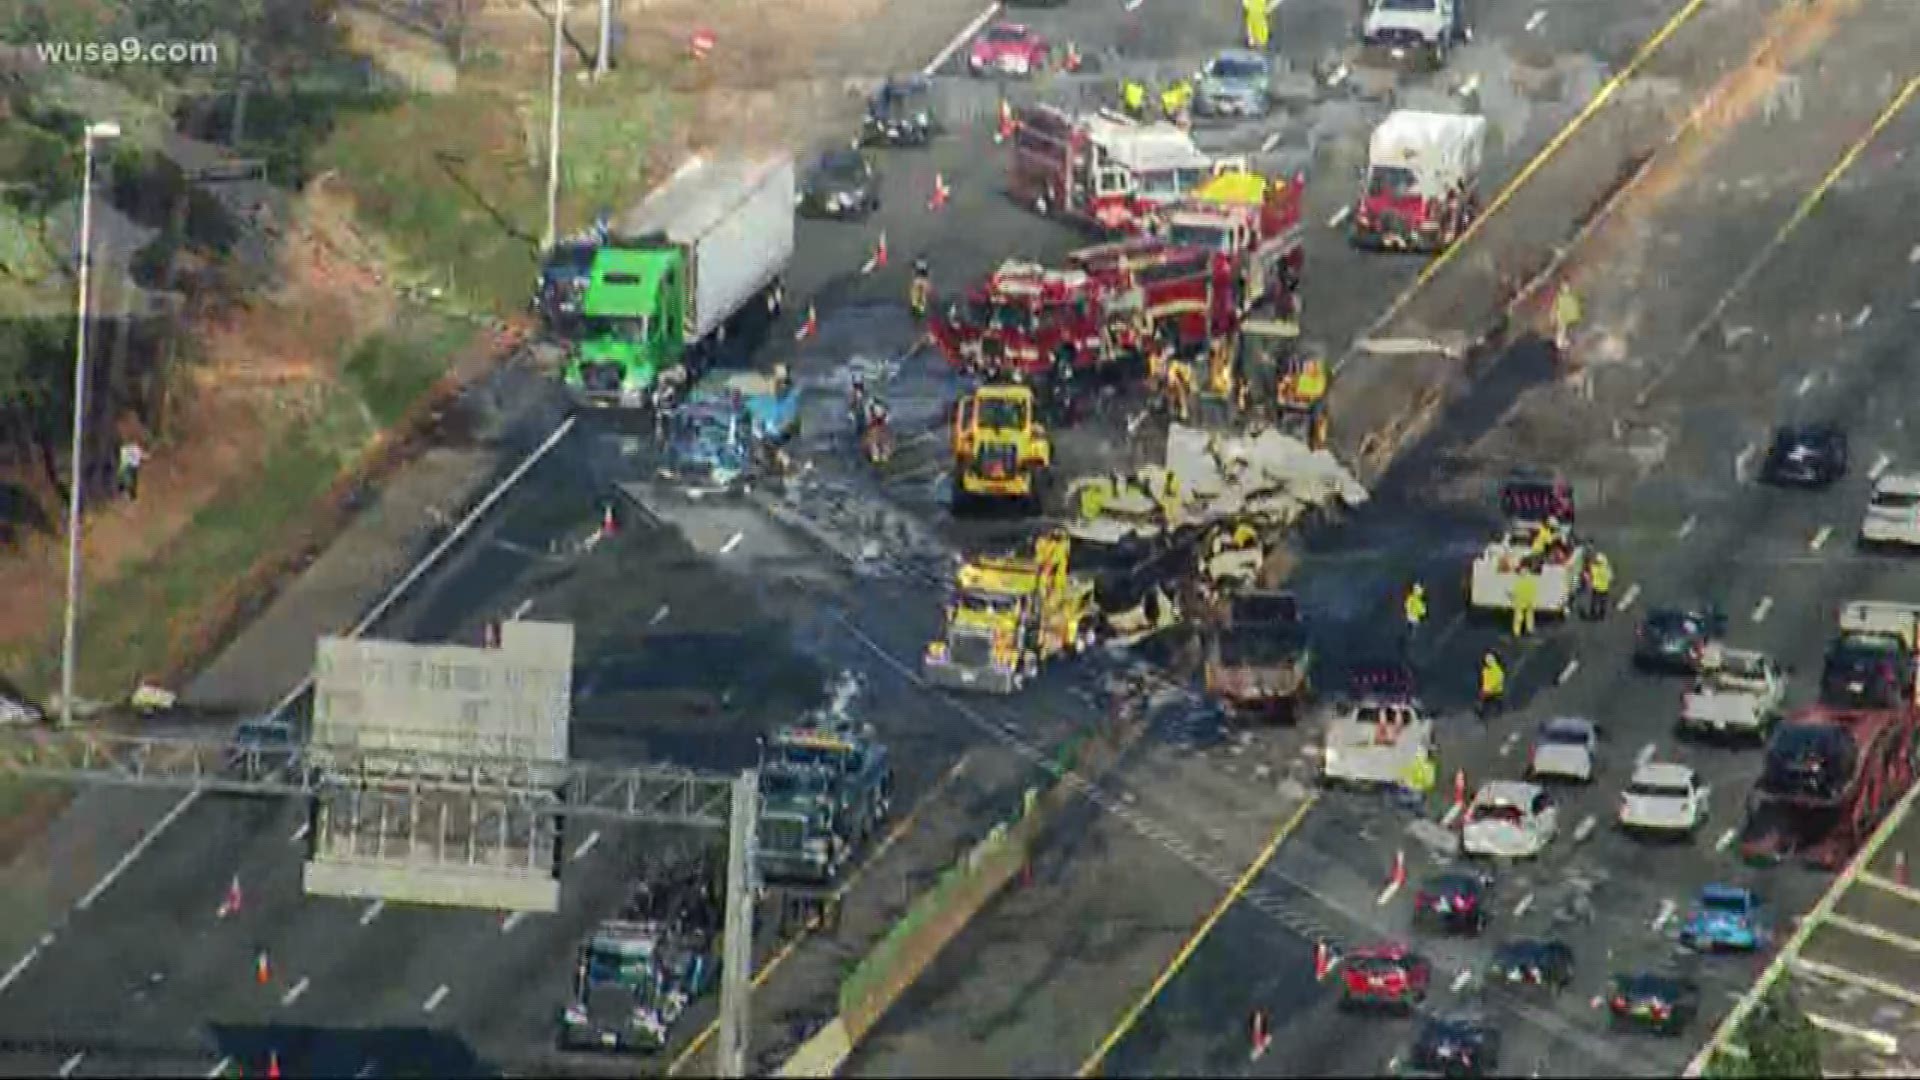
(1008, 615)
(1000, 448)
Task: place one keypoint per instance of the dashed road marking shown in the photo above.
(72, 1063)
(1646, 754)
(1452, 815)
(295, 992)
(1470, 87)
(521, 611)
(1726, 840)
(1520, 908)
(20, 967)
(732, 542)
(299, 834)
(1632, 594)
(1506, 746)
(1879, 466)
(1534, 20)
(659, 616)
(1806, 384)
(220, 1068)
(1667, 908)
(1339, 217)
(1740, 461)
(1820, 538)
(434, 999)
(1761, 609)
(586, 845)
(1270, 142)
(960, 39)
(1585, 828)
(373, 912)
(507, 924)
(1461, 980)
(1566, 673)
(1686, 527)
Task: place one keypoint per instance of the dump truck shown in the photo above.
(700, 261)
(1010, 614)
(635, 974)
(1258, 658)
(826, 787)
(1000, 449)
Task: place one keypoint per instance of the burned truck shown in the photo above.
(636, 974)
(1258, 657)
(826, 787)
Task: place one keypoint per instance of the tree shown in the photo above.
(1780, 1042)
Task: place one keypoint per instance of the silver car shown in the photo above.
(1566, 748)
(1236, 84)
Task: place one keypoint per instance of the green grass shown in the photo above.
(389, 372)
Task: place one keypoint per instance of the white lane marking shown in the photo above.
(72, 1063)
(1585, 828)
(1820, 538)
(960, 39)
(19, 967)
(379, 611)
(1860, 320)
(732, 542)
(518, 612)
(1461, 980)
(434, 999)
(1270, 142)
(1760, 609)
(507, 924)
(1470, 87)
(1534, 20)
(1740, 462)
(1507, 745)
(1566, 673)
(586, 845)
(1339, 75)
(296, 992)
(1806, 384)
(1134, 5)
(1686, 527)
(659, 616)
(1393, 1065)
(1646, 754)
(1452, 815)
(1520, 908)
(1879, 466)
(300, 833)
(1667, 908)
(373, 912)
(1339, 217)
(1726, 840)
(372, 1064)
(1387, 894)
(1633, 593)
(220, 1069)
(1271, 4)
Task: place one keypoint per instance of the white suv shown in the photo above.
(1893, 511)
(1664, 798)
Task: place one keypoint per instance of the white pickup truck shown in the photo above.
(1557, 581)
(1374, 742)
(1742, 696)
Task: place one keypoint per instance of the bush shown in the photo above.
(1781, 1044)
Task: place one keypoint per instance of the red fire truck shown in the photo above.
(1025, 318)
(1185, 295)
(1252, 224)
(1102, 169)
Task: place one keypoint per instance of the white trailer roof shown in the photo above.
(1445, 143)
(699, 196)
(1146, 147)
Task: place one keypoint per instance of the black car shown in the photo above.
(1531, 963)
(841, 184)
(563, 281)
(1455, 902)
(1455, 1046)
(901, 113)
(1665, 1004)
(1677, 639)
(1806, 455)
(1865, 671)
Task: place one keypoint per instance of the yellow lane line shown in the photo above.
(1090, 1066)
(1539, 160)
(792, 944)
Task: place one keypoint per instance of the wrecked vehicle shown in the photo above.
(1259, 659)
(841, 184)
(901, 113)
(720, 440)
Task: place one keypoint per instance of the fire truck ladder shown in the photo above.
(401, 782)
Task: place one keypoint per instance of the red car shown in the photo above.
(1008, 49)
(1385, 975)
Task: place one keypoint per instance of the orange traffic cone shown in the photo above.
(262, 969)
(230, 904)
(1262, 1035)
(941, 193)
(808, 328)
(701, 43)
(877, 260)
(1460, 789)
(273, 1065)
(609, 526)
(1395, 878)
(1323, 960)
(1005, 129)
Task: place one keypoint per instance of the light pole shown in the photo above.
(553, 129)
(76, 471)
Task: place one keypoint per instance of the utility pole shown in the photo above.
(76, 466)
(736, 960)
(602, 56)
(553, 129)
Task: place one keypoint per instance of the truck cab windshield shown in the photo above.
(627, 328)
(781, 785)
(1390, 182)
(988, 603)
(1211, 237)
(1002, 414)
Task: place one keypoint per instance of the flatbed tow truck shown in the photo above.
(1010, 614)
(1528, 501)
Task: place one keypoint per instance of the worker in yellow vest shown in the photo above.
(1255, 12)
(1415, 609)
(1599, 586)
(1180, 387)
(1526, 591)
(1312, 384)
(1493, 685)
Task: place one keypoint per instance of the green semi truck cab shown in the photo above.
(633, 329)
